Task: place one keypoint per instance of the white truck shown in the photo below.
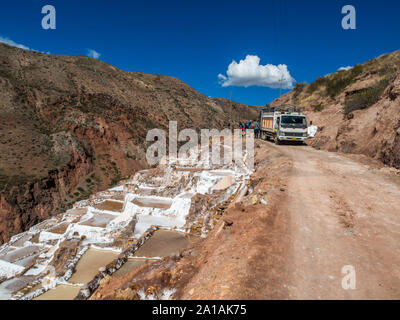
(283, 125)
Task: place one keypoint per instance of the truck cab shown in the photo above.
(292, 127)
(284, 125)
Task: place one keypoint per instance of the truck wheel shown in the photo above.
(277, 141)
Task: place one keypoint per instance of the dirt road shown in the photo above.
(341, 213)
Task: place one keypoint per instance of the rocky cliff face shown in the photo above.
(357, 111)
(71, 126)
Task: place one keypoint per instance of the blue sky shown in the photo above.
(197, 40)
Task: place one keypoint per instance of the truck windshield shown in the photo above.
(294, 121)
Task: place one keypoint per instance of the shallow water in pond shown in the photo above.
(222, 173)
(20, 253)
(78, 212)
(191, 169)
(224, 183)
(130, 265)
(163, 243)
(110, 206)
(61, 292)
(88, 266)
(99, 220)
(120, 197)
(153, 203)
(60, 229)
(11, 286)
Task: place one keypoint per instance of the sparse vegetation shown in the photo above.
(318, 108)
(298, 89)
(314, 86)
(335, 83)
(367, 97)
(341, 80)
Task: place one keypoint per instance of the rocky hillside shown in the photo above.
(71, 126)
(357, 111)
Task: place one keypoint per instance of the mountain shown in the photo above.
(357, 110)
(73, 125)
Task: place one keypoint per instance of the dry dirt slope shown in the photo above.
(357, 111)
(70, 126)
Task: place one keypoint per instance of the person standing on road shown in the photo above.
(256, 129)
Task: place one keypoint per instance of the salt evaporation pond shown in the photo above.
(130, 265)
(61, 292)
(153, 202)
(157, 200)
(88, 266)
(109, 205)
(163, 243)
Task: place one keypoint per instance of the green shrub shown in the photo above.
(336, 86)
(317, 84)
(318, 108)
(298, 89)
(342, 79)
(366, 97)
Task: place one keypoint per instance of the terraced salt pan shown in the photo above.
(119, 197)
(190, 169)
(208, 180)
(20, 253)
(163, 243)
(99, 220)
(77, 212)
(21, 241)
(7, 288)
(9, 270)
(60, 228)
(101, 223)
(44, 225)
(36, 270)
(28, 261)
(61, 292)
(88, 266)
(152, 214)
(146, 191)
(130, 265)
(109, 205)
(151, 202)
(92, 234)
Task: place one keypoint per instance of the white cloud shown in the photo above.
(14, 44)
(249, 72)
(345, 68)
(93, 54)
(18, 45)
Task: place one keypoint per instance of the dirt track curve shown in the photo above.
(341, 212)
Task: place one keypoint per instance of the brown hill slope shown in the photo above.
(71, 126)
(357, 111)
